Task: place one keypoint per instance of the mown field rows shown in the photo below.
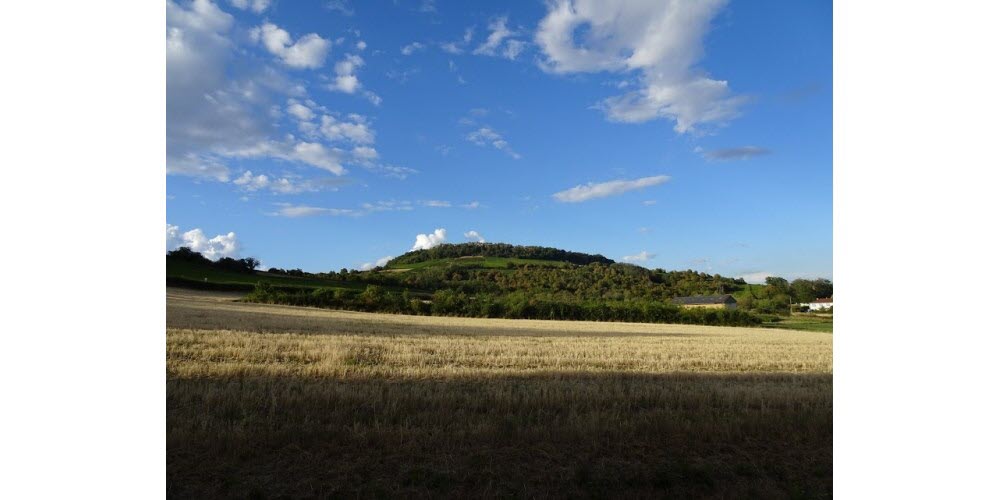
(284, 401)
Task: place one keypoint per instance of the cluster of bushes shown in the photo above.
(244, 265)
(518, 305)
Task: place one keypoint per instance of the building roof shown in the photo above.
(828, 300)
(704, 300)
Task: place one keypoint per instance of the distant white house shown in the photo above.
(819, 304)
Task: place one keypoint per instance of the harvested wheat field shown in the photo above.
(278, 401)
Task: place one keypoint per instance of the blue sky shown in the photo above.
(680, 135)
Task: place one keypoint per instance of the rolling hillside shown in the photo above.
(495, 280)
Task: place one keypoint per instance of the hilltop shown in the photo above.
(497, 250)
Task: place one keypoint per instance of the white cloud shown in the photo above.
(427, 6)
(471, 205)
(308, 51)
(341, 6)
(474, 236)
(217, 110)
(257, 6)
(361, 45)
(378, 263)
(318, 155)
(391, 170)
(354, 130)
(289, 210)
(513, 49)
(299, 111)
(459, 47)
(756, 278)
(486, 135)
(604, 189)
(431, 240)
(498, 32)
(436, 204)
(346, 81)
(660, 39)
(365, 153)
(648, 203)
(411, 48)
(284, 185)
(250, 182)
(223, 245)
(738, 153)
(642, 256)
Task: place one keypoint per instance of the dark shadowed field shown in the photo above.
(277, 401)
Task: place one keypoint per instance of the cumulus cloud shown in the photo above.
(355, 129)
(642, 256)
(346, 80)
(318, 155)
(431, 240)
(411, 48)
(659, 39)
(367, 266)
(218, 110)
(365, 153)
(257, 6)
(474, 236)
(604, 189)
(487, 136)
(308, 52)
(299, 111)
(739, 153)
(223, 245)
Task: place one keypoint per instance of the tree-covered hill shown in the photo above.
(500, 280)
(452, 251)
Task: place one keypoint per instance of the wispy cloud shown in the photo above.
(739, 153)
(294, 211)
(436, 203)
(604, 189)
(410, 48)
(642, 256)
(487, 136)
(495, 45)
(285, 185)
